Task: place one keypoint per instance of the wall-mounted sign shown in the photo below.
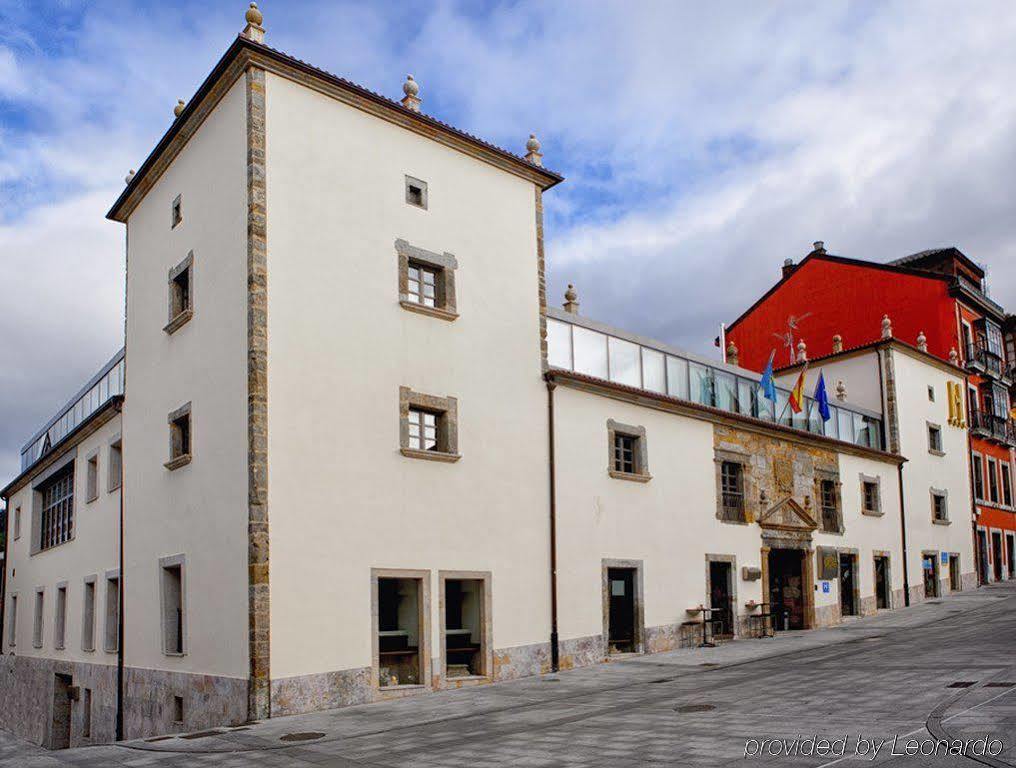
(828, 563)
(751, 573)
(945, 558)
(825, 587)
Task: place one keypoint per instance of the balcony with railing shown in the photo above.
(992, 427)
(590, 348)
(105, 385)
(982, 359)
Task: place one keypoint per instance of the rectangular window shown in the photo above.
(934, 439)
(416, 192)
(423, 283)
(872, 502)
(423, 430)
(37, 625)
(931, 393)
(181, 294)
(179, 437)
(92, 478)
(178, 709)
(17, 523)
(992, 480)
(1007, 486)
(176, 215)
(88, 616)
(172, 593)
(400, 636)
(115, 466)
(12, 622)
(57, 523)
(112, 629)
(465, 621)
(60, 618)
(978, 467)
(732, 485)
(830, 507)
(86, 713)
(939, 506)
(624, 453)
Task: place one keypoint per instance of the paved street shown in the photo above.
(948, 666)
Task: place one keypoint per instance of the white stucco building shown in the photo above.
(362, 459)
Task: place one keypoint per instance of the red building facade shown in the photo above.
(831, 303)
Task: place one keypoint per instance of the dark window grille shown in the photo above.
(830, 509)
(57, 509)
(624, 453)
(940, 510)
(732, 488)
(871, 502)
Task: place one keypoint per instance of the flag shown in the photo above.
(797, 393)
(767, 383)
(822, 398)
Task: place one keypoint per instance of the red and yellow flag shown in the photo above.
(797, 393)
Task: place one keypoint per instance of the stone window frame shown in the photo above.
(67, 461)
(877, 481)
(114, 479)
(834, 477)
(640, 609)
(447, 411)
(38, 617)
(936, 556)
(423, 627)
(171, 561)
(884, 553)
(641, 473)
(444, 264)
(1005, 470)
(177, 456)
(977, 460)
(486, 621)
(111, 617)
(941, 493)
(989, 475)
(91, 476)
(721, 455)
(60, 616)
(412, 181)
(176, 212)
(88, 628)
(932, 429)
(179, 312)
(16, 523)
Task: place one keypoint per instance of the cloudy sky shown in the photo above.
(703, 143)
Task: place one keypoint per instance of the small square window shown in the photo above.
(428, 426)
(179, 437)
(939, 507)
(92, 478)
(423, 284)
(416, 192)
(934, 439)
(872, 501)
(624, 453)
(177, 211)
(115, 466)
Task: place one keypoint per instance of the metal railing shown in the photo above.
(996, 427)
(980, 357)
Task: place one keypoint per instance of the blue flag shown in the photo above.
(767, 383)
(822, 398)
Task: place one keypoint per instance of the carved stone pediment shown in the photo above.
(788, 515)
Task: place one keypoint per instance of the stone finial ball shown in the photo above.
(570, 294)
(533, 145)
(410, 87)
(178, 109)
(254, 16)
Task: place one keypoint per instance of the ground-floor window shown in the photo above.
(466, 622)
(401, 630)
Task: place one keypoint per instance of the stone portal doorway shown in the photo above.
(787, 594)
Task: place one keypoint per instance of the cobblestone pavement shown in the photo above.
(893, 674)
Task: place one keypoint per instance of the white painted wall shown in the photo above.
(199, 510)
(859, 373)
(93, 551)
(342, 498)
(924, 471)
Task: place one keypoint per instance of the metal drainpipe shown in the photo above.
(973, 498)
(554, 650)
(120, 618)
